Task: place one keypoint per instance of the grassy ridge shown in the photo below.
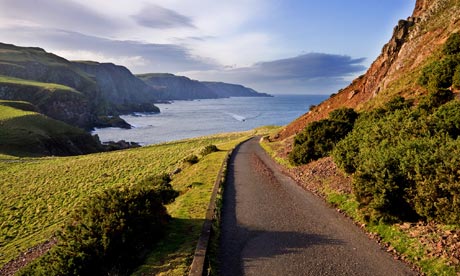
(36, 194)
(24, 132)
(52, 87)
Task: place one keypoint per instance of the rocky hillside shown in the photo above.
(120, 87)
(96, 90)
(172, 87)
(226, 90)
(415, 42)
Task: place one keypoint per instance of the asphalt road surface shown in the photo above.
(271, 226)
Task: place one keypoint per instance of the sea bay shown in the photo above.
(187, 119)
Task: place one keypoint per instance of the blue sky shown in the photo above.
(275, 46)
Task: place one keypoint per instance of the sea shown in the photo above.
(187, 119)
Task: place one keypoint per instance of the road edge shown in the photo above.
(199, 264)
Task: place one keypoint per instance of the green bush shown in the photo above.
(347, 115)
(446, 119)
(191, 159)
(209, 149)
(405, 162)
(440, 74)
(435, 99)
(319, 138)
(380, 185)
(452, 45)
(456, 78)
(397, 103)
(110, 233)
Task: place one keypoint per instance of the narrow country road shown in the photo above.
(271, 226)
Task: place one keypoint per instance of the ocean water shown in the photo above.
(187, 119)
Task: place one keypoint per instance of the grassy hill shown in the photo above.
(38, 194)
(24, 132)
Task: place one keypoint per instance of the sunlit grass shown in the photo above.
(37, 194)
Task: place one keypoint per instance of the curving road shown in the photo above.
(271, 226)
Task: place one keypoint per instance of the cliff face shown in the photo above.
(172, 87)
(397, 68)
(117, 84)
(68, 106)
(101, 88)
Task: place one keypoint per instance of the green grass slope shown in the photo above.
(24, 132)
(38, 194)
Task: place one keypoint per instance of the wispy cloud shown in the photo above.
(157, 17)
(66, 14)
(142, 57)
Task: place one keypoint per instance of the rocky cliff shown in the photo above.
(119, 87)
(415, 41)
(34, 75)
(172, 87)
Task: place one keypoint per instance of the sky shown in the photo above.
(274, 46)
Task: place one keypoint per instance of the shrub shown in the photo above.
(191, 159)
(347, 115)
(107, 235)
(161, 184)
(452, 45)
(319, 138)
(435, 99)
(397, 103)
(405, 163)
(441, 74)
(433, 167)
(209, 149)
(456, 78)
(380, 185)
(446, 119)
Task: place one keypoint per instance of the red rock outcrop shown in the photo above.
(413, 41)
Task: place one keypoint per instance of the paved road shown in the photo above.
(271, 226)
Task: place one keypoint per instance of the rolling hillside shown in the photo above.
(24, 132)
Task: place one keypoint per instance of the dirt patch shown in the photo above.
(27, 257)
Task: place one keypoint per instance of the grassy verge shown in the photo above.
(396, 240)
(174, 254)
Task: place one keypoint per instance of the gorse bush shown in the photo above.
(110, 233)
(319, 138)
(405, 162)
(191, 159)
(209, 149)
(443, 74)
(452, 45)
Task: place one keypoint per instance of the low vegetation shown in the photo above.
(445, 72)
(38, 197)
(404, 163)
(319, 138)
(110, 232)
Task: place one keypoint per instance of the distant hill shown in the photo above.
(172, 87)
(118, 86)
(225, 90)
(98, 89)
